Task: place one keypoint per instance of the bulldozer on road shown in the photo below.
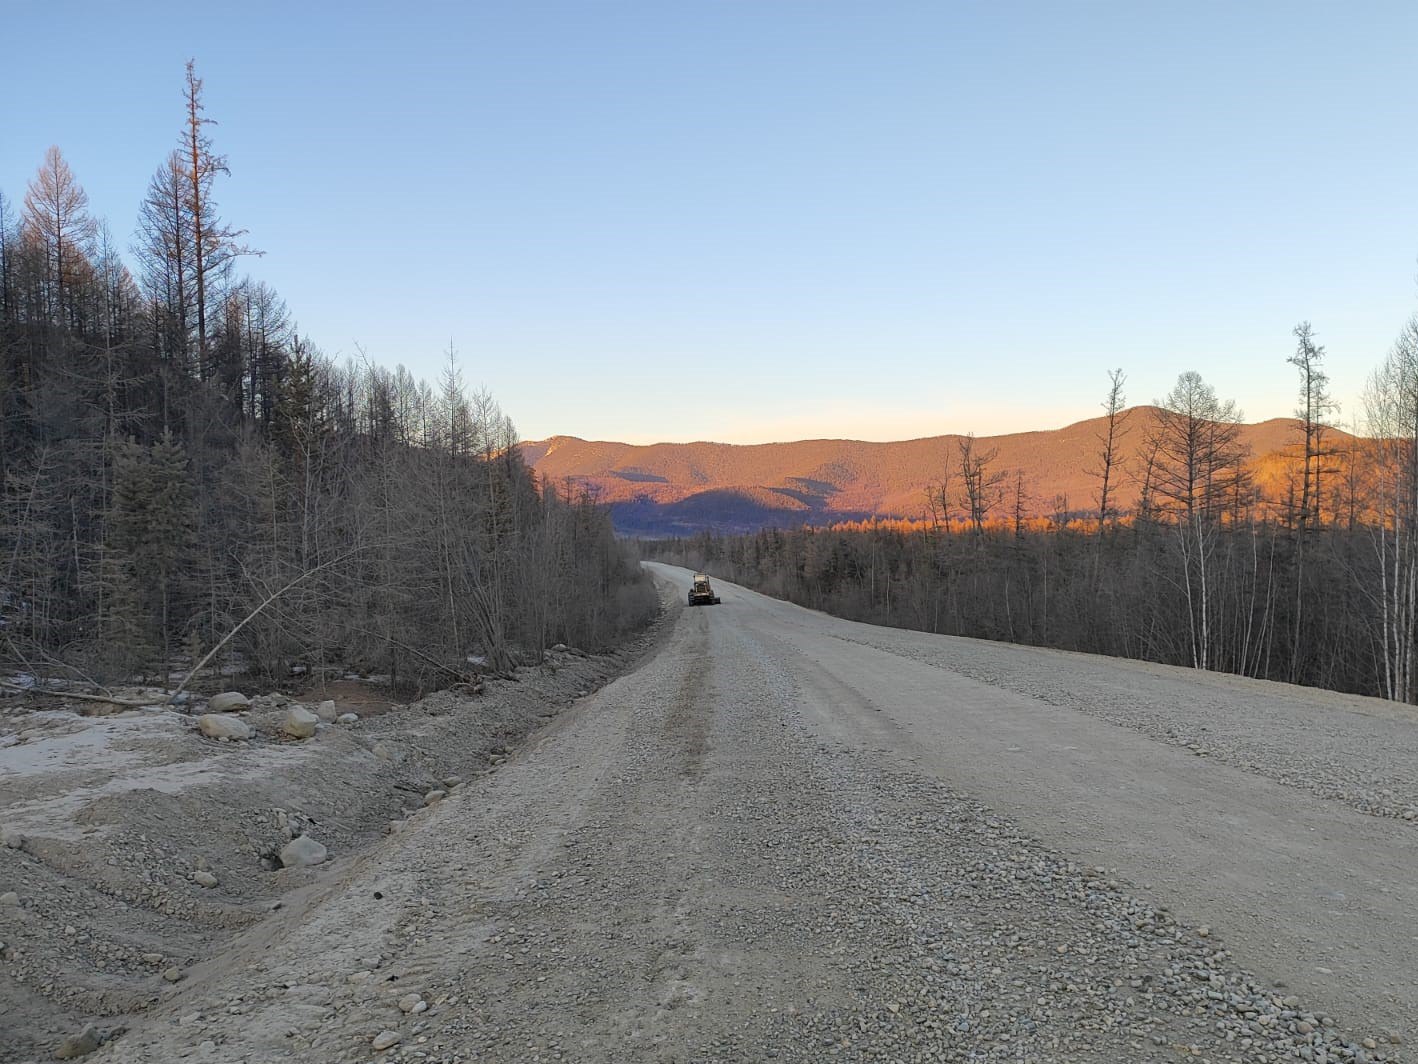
(700, 593)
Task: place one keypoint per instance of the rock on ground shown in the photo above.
(227, 702)
(79, 1045)
(299, 722)
(223, 726)
(302, 851)
(385, 1039)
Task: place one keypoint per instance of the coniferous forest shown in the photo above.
(180, 464)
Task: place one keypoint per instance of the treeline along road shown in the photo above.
(787, 836)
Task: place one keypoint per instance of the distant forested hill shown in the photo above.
(678, 488)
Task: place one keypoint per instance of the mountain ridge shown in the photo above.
(661, 489)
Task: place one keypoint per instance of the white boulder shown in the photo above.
(227, 702)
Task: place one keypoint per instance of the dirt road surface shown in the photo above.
(783, 836)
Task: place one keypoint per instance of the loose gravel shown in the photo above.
(686, 868)
(1342, 747)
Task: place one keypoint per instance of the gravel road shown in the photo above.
(788, 837)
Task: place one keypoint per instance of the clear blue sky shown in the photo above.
(770, 220)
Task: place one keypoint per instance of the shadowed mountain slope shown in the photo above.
(675, 488)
